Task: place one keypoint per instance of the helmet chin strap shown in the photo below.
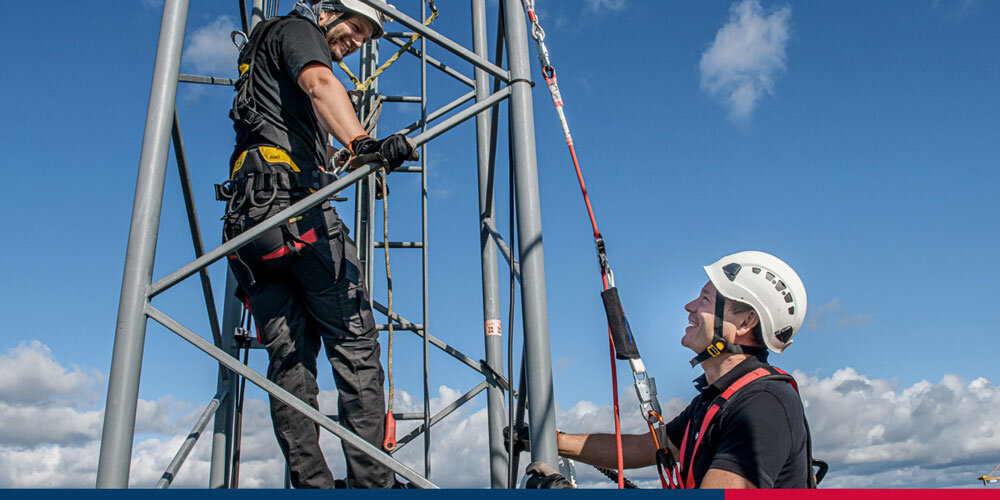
(719, 344)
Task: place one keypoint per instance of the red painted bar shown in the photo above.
(864, 494)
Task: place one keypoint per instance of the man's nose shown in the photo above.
(689, 307)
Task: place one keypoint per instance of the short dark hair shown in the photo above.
(738, 307)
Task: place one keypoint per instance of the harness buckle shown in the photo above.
(715, 349)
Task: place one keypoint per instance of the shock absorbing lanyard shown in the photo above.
(645, 386)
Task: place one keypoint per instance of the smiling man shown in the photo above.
(746, 428)
(302, 279)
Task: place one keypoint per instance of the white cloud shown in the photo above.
(748, 54)
(209, 49)
(955, 9)
(830, 314)
(941, 434)
(606, 5)
(874, 434)
(29, 374)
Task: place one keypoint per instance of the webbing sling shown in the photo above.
(685, 472)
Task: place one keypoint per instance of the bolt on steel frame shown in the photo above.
(138, 288)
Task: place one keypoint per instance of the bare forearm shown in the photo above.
(330, 103)
(601, 450)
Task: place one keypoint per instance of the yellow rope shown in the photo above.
(359, 85)
(388, 279)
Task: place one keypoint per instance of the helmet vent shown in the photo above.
(756, 270)
(731, 270)
(788, 298)
(780, 286)
(791, 310)
(785, 334)
(769, 276)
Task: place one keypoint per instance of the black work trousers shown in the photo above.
(304, 286)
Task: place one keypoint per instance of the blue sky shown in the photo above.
(858, 141)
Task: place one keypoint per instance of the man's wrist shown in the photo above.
(361, 144)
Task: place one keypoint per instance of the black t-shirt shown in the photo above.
(759, 434)
(288, 47)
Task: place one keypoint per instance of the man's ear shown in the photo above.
(746, 323)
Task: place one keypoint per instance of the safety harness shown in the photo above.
(684, 471)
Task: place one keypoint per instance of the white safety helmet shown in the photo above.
(769, 286)
(359, 8)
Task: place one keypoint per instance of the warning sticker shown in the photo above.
(493, 327)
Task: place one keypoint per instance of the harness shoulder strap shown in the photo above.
(720, 401)
(244, 84)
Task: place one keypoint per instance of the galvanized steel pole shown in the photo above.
(491, 284)
(529, 232)
(225, 415)
(130, 332)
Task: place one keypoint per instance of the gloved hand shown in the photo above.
(522, 441)
(395, 149)
(542, 476)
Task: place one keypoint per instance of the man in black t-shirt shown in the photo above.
(746, 427)
(302, 279)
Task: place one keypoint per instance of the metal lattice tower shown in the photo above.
(138, 288)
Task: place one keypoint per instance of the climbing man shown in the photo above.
(302, 279)
(746, 428)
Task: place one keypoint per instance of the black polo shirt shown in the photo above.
(287, 110)
(760, 434)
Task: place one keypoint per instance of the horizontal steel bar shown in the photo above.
(447, 410)
(396, 415)
(444, 68)
(439, 39)
(400, 244)
(210, 80)
(199, 426)
(410, 168)
(410, 328)
(438, 113)
(502, 246)
(286, 397)
(454, 120)
(440, 344)
(401, 98)
(315, 198)
(398, 34)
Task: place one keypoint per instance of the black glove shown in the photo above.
(395, 149)
(541, 476)
(522, 441)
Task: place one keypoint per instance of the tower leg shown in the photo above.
(130, 331)
(534, 310)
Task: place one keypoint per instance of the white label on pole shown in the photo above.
(493, 327)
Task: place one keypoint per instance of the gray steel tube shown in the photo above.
(444, 68)
(488, 257)
(225, 416)
(423, 237)
(130, 331)
(438, 38)
(529, 233)
(195, 227)
(440, 415)
(286, 397)
(182, 453)
(504, 249)
(447, 108)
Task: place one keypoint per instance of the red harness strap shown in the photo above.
(686, 467)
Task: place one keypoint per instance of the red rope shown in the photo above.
(549, 73)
